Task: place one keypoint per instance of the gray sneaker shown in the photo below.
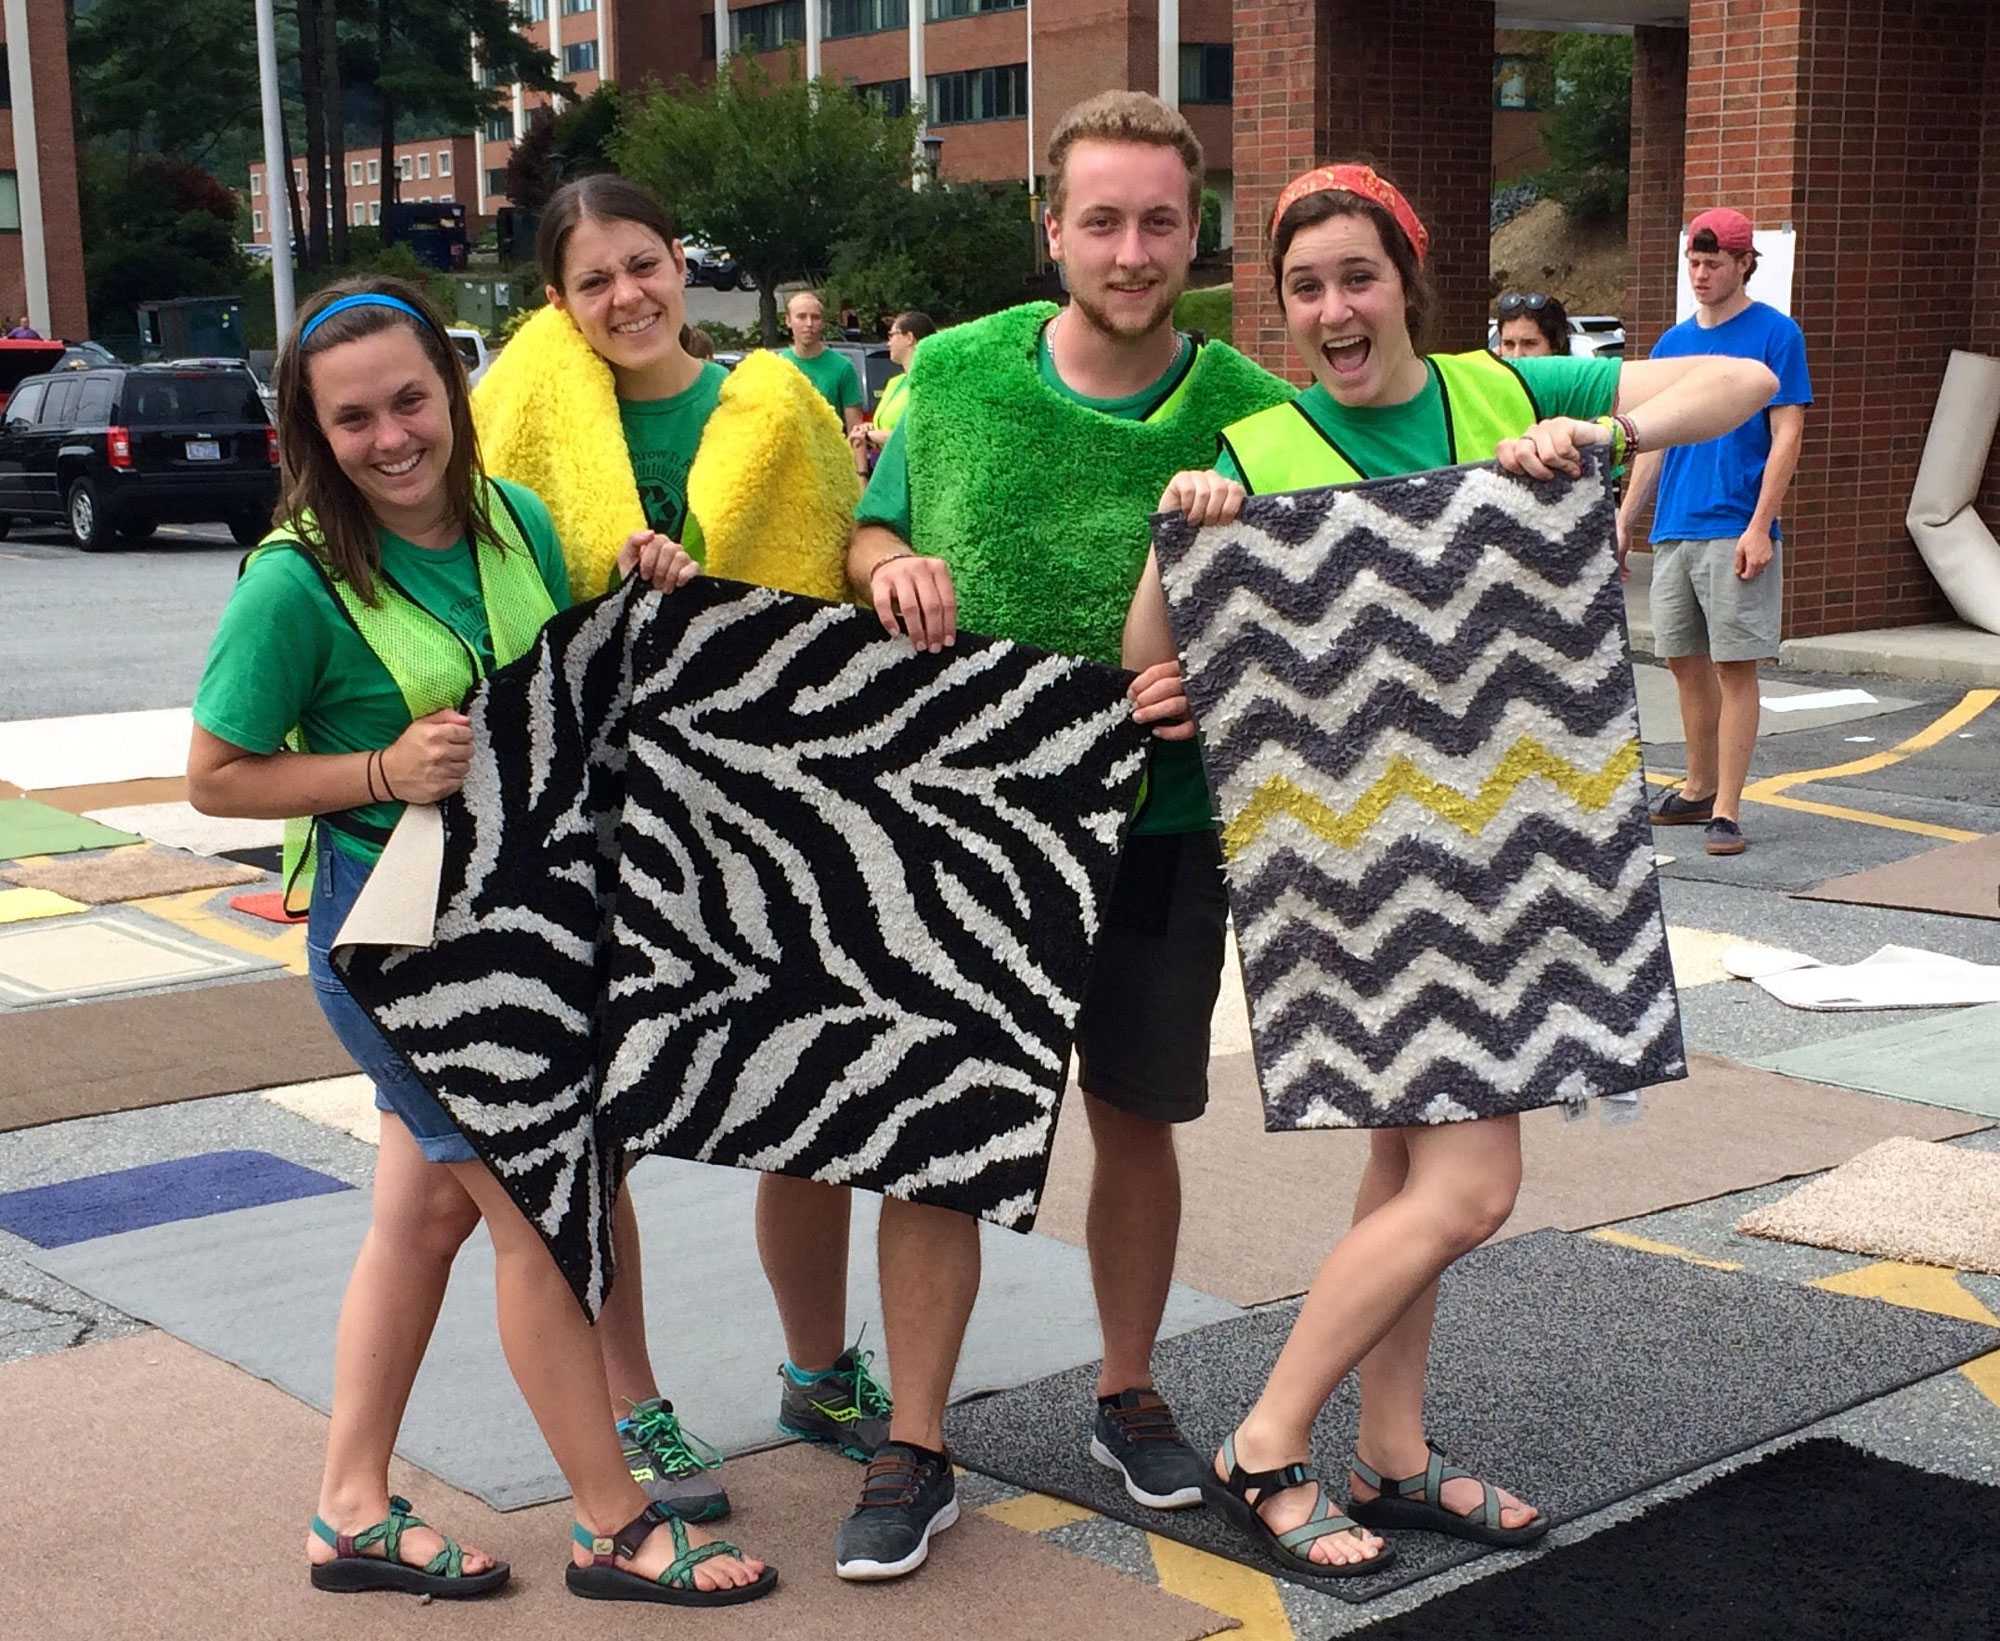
(906, 1497)
(676, 1470)
(845, 1408)
(1136, 1436)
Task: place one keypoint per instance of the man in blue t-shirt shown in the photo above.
(1717, 598)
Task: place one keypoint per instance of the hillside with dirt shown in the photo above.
(1542, 250)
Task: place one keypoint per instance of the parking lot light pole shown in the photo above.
(277, 165)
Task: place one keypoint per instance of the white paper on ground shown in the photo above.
(397, 906)
(1896, 977)
(182, 826)
(39, 753)
(1818, 700)
(1752, 962)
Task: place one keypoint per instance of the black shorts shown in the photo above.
(1142, 1033)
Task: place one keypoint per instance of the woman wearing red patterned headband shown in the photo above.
(1347, 256)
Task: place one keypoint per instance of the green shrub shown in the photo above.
(1589, 134)
(1211, 311)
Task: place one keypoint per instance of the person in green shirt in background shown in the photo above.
(398, 576)
(1348, 260)
(832, 373)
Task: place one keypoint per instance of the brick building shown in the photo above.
(1870, 127)
(41, 234)
(428, 168)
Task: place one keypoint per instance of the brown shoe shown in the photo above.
(1675, 810)
(1725, 837)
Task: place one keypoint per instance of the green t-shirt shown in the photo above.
(1176, 795)
(661, 436)
(833, 374)
(285, 653)
(1385, 440)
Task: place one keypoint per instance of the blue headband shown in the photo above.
(367, 299)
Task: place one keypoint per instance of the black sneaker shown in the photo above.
(1675, 810)
(845, 1408)
(1724, 836)
(1137, 1437)
(905, 1497)
(676, 1469)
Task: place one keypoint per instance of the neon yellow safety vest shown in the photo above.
(432, 665)
(894, 401)
(1485, 400)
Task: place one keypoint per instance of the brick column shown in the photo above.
(1985, 334)
(1407, 84)
(1653, 216)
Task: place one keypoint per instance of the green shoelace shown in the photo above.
(657, 1428)
(869, 1396)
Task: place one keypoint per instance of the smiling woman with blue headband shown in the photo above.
(398, 576)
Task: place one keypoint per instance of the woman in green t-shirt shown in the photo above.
(398, 575)
(1347, 257)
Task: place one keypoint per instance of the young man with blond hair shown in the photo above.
(831, 373)
(1012, 499)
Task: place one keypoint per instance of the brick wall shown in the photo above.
(1659, 153)
(1862, 123)
(1985, 332)
(62, 223)
(1406, 83)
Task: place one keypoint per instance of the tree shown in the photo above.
(775, 171)
(334, 105)
(1589, 134)
(154, 229)
(954, 251)
(180, 79)
(556, 148)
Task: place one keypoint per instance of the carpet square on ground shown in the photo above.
(94, 954)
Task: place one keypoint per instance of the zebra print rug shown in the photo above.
(736, 878)
(1421, 734)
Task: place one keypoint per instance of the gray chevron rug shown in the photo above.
(1421, 735)
(737, 879)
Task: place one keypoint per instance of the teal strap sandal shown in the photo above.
(353, 1571)
(1291, 1548)
(1417, 1502)
(605, 1580)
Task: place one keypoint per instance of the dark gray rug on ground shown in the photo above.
(1569, 1371)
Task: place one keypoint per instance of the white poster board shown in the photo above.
(1771, 283)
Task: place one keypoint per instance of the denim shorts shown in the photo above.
(336, 884)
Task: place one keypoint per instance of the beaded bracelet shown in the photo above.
(891, 559)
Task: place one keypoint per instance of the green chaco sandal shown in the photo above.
(1417, 1503)
(351, 1572)
(605, 1580)
(1292, 1547)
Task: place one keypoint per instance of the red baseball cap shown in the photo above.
(1732, 229)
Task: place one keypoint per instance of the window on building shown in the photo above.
(403, 168)
(353, 173)
(538, 11)
(764, 28)
(423, 168)
(572, 7)
(865, 16)
(1208, 73)
(943, 11)
(979, 94)
(891, 96)
(1514, 82)
(496, 180)
(581, 58)
(500, 127)
(375, 170)
(374, 212)
(256, 222)
(444, 162)
(708, 36)
(359, 214)
(445, 199)
(256, 182)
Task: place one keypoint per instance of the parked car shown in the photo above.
(85, 356)
(473, 348)
(20, 360)
(870, 360)
(716, 269)
(117, 452)
(265, 390)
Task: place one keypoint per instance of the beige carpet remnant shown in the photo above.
(130, 874)
(1906, 1199)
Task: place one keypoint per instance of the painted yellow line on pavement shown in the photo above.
(1646, 1245)
(1037, 1513)
(1227, 1587)
(286, 943)
(1925, 1288)
(1866, 817)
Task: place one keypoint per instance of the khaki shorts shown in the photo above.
(1701, 607)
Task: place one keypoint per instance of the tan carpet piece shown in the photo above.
(115, 794)
(1962, 879)
(212, 1545)
(1260, 1211)
(124, 1052)
(1904, 1199)
(99, 879)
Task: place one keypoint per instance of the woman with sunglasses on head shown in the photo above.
(1348, 260)
(906, 330)
(1532, 326)
(399, 574)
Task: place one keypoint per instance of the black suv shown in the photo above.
(121, 450)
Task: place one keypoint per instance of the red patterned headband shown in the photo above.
(1360, 180)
